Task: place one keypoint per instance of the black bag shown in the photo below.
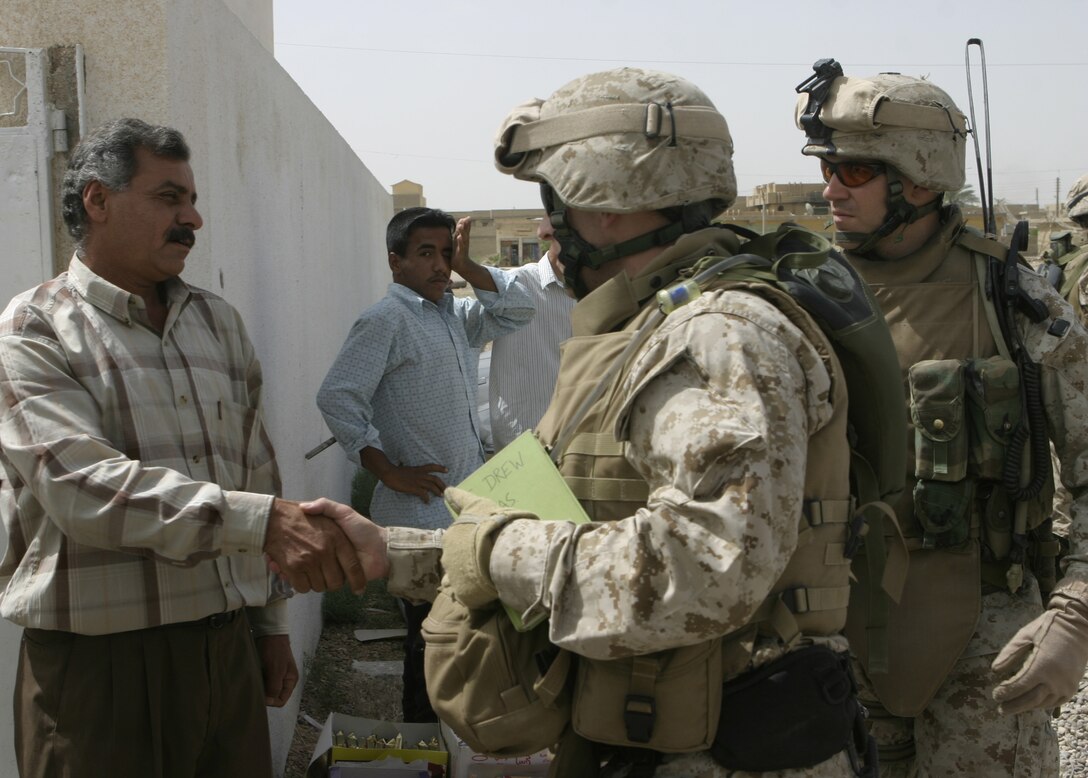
(792, 713)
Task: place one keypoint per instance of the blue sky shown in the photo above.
(419, 88)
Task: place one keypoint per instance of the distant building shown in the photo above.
(407, 194)
(787, 197)
(508, 237)
(505, 237)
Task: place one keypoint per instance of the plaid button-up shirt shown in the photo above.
(137, 473)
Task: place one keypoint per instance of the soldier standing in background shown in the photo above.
(960, 676)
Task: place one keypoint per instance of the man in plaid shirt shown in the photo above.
(137, 494)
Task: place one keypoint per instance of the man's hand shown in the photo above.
(461, 235)
(415, 480)
(418, 480)
(310, 551)
(463, 265)
(369, 540)
(278, 669)
(1048, 656)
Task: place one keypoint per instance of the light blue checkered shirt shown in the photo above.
(405, 382)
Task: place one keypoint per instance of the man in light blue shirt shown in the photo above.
(401, 395)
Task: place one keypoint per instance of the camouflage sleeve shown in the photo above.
(1064, 362)
(414, 562)
(1082, 297)
(720, 403)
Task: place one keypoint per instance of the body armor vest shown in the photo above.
(937, 312)
(810, 597)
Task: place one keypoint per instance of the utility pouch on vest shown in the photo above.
(993, 406)
(944, 511)
(937, 410)
(668, 701)
(997, 520)
(942, 496)
(504, 692)
(792, 713)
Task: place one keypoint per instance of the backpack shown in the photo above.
(506, 692)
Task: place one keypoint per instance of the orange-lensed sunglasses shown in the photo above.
(851, 173)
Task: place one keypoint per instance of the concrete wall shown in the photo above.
(294, 223)
(256, 15)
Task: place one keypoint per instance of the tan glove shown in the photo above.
(466, 547)
(464, 503)
(1048, 655)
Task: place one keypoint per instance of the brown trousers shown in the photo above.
(179, 701)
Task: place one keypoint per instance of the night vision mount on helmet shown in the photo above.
(909, 124)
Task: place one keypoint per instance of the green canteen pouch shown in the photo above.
(937, 411)
(669, 701)
(993, 408)
(944, 510)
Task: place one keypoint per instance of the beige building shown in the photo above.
(507, 237)
(407, 194)
(804, 198)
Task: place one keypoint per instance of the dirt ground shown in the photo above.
(331, 682)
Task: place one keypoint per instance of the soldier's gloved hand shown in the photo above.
(1048, 655)
(467, 544)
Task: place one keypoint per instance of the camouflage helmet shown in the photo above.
(1076, 202)
(907, 123)
(623, 141)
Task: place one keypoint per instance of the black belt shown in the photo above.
(220, 620)
(215, 621)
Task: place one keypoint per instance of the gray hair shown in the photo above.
(108, 155)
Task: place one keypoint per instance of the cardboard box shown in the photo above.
(377, 761)
(466, 763)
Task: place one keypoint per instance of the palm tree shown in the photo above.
(964, 196)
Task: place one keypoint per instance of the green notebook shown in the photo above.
(522, 476)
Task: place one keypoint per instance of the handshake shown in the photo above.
(320, 545)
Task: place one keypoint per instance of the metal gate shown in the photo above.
(26, 146)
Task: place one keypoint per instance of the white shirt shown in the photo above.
(525, 363)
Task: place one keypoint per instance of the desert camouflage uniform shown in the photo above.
(1076, 259)
(1074, 262)
(1073, 222)
(960, 731)
(723, 398)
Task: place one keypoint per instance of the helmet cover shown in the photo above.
(1076, 202)
(623, 140)
(908, 123)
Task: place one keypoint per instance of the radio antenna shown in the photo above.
(985, 188)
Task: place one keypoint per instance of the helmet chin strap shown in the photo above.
(575, 252)
(900, 214)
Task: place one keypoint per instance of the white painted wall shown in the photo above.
(256, 15)
(294, 223)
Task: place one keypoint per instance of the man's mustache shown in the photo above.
(181, 235)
